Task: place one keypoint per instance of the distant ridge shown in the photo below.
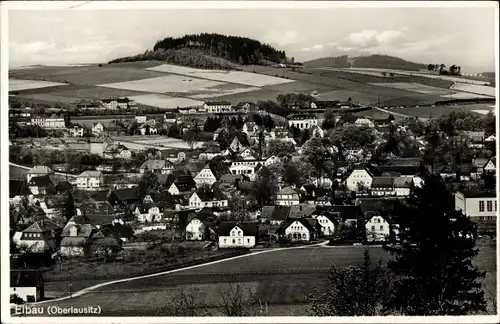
(369, 61)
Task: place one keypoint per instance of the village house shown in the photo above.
(485, 166)
(74, 239)
(217, 106)
(219, 132)
(250, 128)
(361, 176)
(199, 227)
(105, 243)
(52, 206)
(201, 199)
(382, 186)
(40, 237)
(403, 186)
(41, 185)
(288, 196)
(90, 180)
(378, 228)
(37, 171)
(211, 152)
(480, 206)
(27, 285)
(97, 128)
(328, 222)
(147, 130)
(125, 196)
(210, 174)
(117, 151)
(297, 230)
(118, 103)
(317, 131)
(302, 121)
(180, 184)
(141, 119)
(237, 235)
(76, 131)
(49, 122)
(157, 166)
(148, 213)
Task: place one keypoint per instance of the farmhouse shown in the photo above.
(235, 235)
(40, 237)
(27, 285)
(217, 106)
(202, 199)
(38, 170)
(76, 131)
(97, 128)
(481, 207)
(118, 103)
(148, 213)
(199, 227)
(250, 128)
(210, 174)
(49, 122)
(302, 121)
(157, 166)
(361, 176)
(378, 228)
(90, 180)
(288, 196)
(74, 238)
(297, 230)
(382, 186)
(180, 184)
(41, 185)
(327, 221)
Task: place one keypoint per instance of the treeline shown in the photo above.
(441, 69)
(337, 62)
(240, 50)
(185, 57)
(386, 62)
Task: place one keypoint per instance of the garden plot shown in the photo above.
(246, 78)
(415, 87)
(475, 88)
(18, 85)
(164, 84)
(163, 101)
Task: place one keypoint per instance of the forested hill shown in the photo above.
(229, 49)
(369, 61)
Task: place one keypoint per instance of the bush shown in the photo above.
(15, 299)
(100, 65)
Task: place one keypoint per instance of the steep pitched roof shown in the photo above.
(382, 182)
(40, 169)
(403, 182)
(40, 181)
(346, 211)
(369, 204)
(42, 226)
(90, 174)
(280, 213)
(156, 164)
(126, 194)
(249, 229)
(83, 230)
(122, 231)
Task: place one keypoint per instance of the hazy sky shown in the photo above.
(462, 36)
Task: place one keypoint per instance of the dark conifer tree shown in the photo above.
(433, 263)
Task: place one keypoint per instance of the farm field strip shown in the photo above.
(18, 84)
(359, 72)
(163, 101)
(474, 88)
(417, 73)
(221, 93)
(170, 83)
(416, 87)
(246, 78)
(464, 95)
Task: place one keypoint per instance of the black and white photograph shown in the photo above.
(249, 161)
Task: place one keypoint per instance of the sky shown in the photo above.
(461, 36)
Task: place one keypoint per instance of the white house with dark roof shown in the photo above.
(288, 196)
(40, 237)
(157, 166)
(250, 128)
(302, 121)
(97, 128)
(217, 106)
(237, 235)
(90, 180)
(360, 176)
(201, 199)
(327, 222)
(74, 238)
(378, 228)
(37, 171)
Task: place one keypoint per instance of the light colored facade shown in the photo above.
(90, 180)
(305, 122)
(236, 239)
(76, 131)
(217, 107)
(288, 197)
(97, 128)
(205, 177)
(377, 229)
(151, 215)
(327, 226)
(480, 207)
(141, 119)
(296, 231)
(49, 123)
(196, 202)
(195, 230)
(37, 171)
(359, 176)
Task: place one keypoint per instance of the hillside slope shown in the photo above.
(369, 61)
(210, 51)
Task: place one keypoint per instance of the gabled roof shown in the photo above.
(249, 229)
(90, 174)
(383, 182)
(369, 204)
(346, 211)
(40, 169)
(478, 194)
(280, 213)
(209, 195)
(26, 278)
(83, 230)
(122, 231)
(217, 103)
(126, 194)
(283, 226)
(156, 164)
(403, 182)
(302, 210)
(41, 181)
(45, 225)
(289, 191)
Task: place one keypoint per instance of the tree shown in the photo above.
(174, 131)
(354, 291)
(70, 206)
(185, 303)
(239, 208)
(433, 264)
(279, 148)
(148, 180)
(235, 300)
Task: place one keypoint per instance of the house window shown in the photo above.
(225, 240)
(234, 241)
(248, 240)
(495, 205)
(373, 228)
(481, 205)
(382, 227)
(239, 241)
(489, 205)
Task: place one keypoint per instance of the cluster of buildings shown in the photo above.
(107, 103)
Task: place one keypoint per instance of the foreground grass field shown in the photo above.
(281, 279)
